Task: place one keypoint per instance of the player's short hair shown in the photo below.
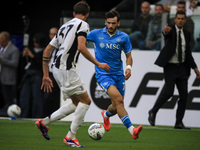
(81, 8)
(180, 13)
(112, 14)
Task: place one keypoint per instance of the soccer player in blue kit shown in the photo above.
(109, 43)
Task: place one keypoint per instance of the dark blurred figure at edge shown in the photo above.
(31, 96)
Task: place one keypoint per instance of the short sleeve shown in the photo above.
(54, 42)
(127, 45)
(91, 36)
(83, 30)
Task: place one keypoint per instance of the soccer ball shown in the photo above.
(14, 111)
(96, 131)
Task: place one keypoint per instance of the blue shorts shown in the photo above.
(106, 80)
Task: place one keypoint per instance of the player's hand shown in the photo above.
(104, 66)
(127, 74)
(167, 28)
(47, 84)
(197, 72)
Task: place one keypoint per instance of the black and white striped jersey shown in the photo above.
(66, 41)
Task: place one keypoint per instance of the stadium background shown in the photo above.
(142, 90)
(45, 14)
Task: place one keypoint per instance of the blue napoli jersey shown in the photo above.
(108, 49)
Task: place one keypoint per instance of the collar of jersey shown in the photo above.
(105, 31)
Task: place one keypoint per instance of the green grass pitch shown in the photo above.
(24, 135)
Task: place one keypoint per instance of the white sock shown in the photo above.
(71, 135)
(46, 121)
(60, 113)
(78, 117)
(130, 129)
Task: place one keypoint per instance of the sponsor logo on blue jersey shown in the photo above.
(109, 46)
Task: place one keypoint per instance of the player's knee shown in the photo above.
(119, 101)
(75, 102)
(87, 101)
(114, 109)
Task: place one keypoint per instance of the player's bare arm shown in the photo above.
(197, 72)
(129, 62)
(46, 81)
(84, 51)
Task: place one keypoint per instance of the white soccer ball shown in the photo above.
(96, 131)
(14, 111)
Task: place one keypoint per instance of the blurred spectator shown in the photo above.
(190, 6)
(1, 98)
(153, 39)
(1, 94)
(196, 47)
(140, 25)
(125, 5)
(189, 25)
(9, 58)
(129, 8)
(198, 3)
(52, 100)
(31, 96)
(167, 4)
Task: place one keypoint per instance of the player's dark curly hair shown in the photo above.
(81, 8)
(112, 14)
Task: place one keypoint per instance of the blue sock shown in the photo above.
(126, 121)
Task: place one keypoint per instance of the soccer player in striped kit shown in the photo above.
(70, 41)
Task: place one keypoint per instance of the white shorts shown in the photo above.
(69, 82)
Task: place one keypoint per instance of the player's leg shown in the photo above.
(118, 101)
(82, 107)
(61, 78)
(65, 82)
(106, 114)
(62, 112)
(104, 82)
